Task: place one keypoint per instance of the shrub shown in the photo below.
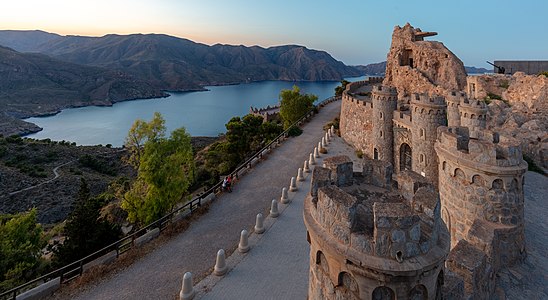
(532, 166)
(97, 165)
(545, 73)
(294, 131)
(359, 153)
(504, 84)
(494, 96)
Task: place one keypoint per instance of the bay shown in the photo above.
(201, 113)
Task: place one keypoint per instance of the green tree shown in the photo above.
(340, 89)
(166, 170)
(293, 105)
(141, 132)
(85, 231)
(21, 241)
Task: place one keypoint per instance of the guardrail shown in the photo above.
(75, 269)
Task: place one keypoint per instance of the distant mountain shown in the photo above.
(177, 64)
(34, 84)
(474, 70)
(25, 40)
(378, 69)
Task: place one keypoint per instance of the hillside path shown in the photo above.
(158, 275)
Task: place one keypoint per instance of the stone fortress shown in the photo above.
(439, 207)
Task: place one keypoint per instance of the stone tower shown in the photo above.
(453, 100)
(427, 114)
(370, 242)
(481, 191)
(473, 114)
(385, 100)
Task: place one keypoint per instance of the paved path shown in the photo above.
(158, 275)
(277, 265)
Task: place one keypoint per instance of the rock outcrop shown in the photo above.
(418, 66)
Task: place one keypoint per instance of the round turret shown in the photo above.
(453, 102)
(378, 245)
(481, 190)
(427, 114)
(385, 100)
(473, 114)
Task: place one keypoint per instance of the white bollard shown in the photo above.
(220, 263)
(243, 246)
(300, 176)
(316, 154)
(259, 226)
(306, 169)
(274, 213)
(332, 129)
(187, 291)
(323, 143)
(320, 146)
(327, 138)
(293, 185)
(311, 160)
(284, 199)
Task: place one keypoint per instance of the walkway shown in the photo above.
(158, 275)
(277, 265)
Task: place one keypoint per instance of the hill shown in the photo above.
(177, 64)
(378, 69)
(35, 84)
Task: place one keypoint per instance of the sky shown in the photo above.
(355, 32)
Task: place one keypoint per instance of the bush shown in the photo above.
(545, 73)
(492, 96)
(359, 153)
(97, 165)
(504, 84)
(294, 131)
(532, 166)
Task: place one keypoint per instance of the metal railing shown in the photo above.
(75, 269)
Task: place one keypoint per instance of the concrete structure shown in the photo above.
(531, 67)
(268, 113)
(367, 241)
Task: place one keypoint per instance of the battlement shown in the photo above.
(486, 149)
(425, 99)
(364, 213)
(473, 104)
(384, 90)
(456, 97)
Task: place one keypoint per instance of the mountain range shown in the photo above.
(41, 72)
(177, 64)
(378, 69)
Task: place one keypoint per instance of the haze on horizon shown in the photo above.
(355, 32)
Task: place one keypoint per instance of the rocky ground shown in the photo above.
(47, 175)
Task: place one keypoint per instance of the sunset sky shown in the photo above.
(356, 32)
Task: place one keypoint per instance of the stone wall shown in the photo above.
(482, 178)
(384, 101)
(427, 114)
(528, 67)
(356, 124)
(398, 255)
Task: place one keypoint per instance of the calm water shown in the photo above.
(201, 113)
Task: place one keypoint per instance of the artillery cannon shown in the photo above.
(500, 70)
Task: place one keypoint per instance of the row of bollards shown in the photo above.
(220, 269)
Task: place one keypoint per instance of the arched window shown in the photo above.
(405, 157)
(375, 153)
(381, 116)
(381, 133)
(322, 262)
(419, 292)
(383, 293)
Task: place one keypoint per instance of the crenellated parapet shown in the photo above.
(428, 112)
(453, 100)
(473, 114)
(363, 233)
(481, 182)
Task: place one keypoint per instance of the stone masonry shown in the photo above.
(477, 173)
(369, 242)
